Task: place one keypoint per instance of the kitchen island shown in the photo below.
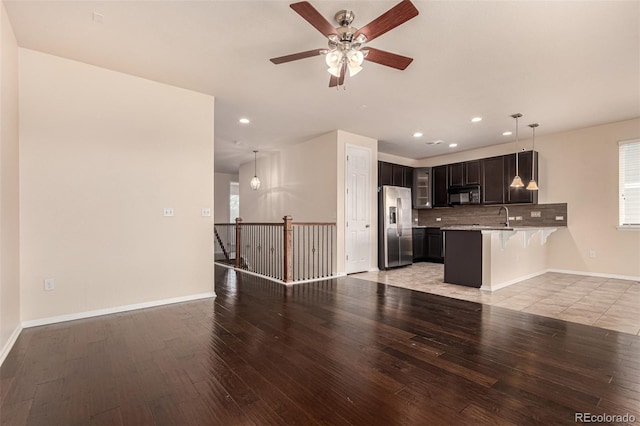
(492, 257)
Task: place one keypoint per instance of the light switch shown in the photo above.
(168, 212)
(49, 284)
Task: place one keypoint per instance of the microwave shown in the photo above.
(464, 195)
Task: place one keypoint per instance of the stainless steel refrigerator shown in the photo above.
(396, 248)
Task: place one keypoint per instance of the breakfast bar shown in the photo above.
(492, 257)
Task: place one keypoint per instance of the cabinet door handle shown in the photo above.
(366, 226)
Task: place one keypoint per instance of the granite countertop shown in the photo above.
(494, 228)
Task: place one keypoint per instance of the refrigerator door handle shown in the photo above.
(400, 213)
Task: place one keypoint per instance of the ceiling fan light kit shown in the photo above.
(346, 49)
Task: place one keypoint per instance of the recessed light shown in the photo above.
(506, 133)
(476, 119)
(244, 121)
(453, 145)
(417, 135)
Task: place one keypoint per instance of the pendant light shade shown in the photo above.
(517, 182)
(533, 186)
(255, 182)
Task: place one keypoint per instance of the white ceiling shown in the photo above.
(564, 64)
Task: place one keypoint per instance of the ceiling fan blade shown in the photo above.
(397, 15)
(296, 56)
(389, 59)
(312, 16)
(338, 81)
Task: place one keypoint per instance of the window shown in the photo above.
(629, 184)
(234, 201)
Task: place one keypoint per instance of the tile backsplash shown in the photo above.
(520, 214)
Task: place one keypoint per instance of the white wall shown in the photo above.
(101, 154)
(9, 195)
(221, 193)
(580, 168)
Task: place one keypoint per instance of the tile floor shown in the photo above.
(601, 302)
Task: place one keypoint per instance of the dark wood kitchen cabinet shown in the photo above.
(435, 247)
(440, 186)
(493, 180)
(520, 195)
(428, 245)
(472, 172)
(394, 174)
(465, 174)
(385, 173)
(419, 244)
(456, 174)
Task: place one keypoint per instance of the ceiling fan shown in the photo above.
(346, 50)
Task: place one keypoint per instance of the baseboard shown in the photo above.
(513, 281)
(12, 340)
(276, 280)
(115, 310)
(338, 275)
(597, 274)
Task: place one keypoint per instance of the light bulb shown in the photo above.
(333, 59)
(532, 186)
(355, 57)
(255, 183)
(335, 71)
(517, 182)
(353, 70)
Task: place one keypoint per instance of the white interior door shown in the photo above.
(358, 209)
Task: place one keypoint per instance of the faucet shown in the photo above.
(506, 222)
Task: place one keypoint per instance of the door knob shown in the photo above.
(366, 226)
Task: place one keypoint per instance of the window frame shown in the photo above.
(621, 188)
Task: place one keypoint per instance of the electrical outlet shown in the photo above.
(535, 214)
(438, 219)
(206, 212)
(49, 284)
(168, 212)
(518, 217)
(559, 217)
(592, 254)
(512, 218)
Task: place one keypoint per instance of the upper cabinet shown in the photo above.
(421, 188)
(394, 174)
(493, 180)
(440, 182)
(520, 195)
(464, 174)
(497, 174)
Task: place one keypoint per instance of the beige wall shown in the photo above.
(307, 181)
(580, 168)
(9, 197)
(300, 181)
(221, 193)
(101, 154)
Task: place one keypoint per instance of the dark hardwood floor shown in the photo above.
(343, 351)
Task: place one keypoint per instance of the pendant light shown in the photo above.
(255, 182)
(517, 182)
(533, 186)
